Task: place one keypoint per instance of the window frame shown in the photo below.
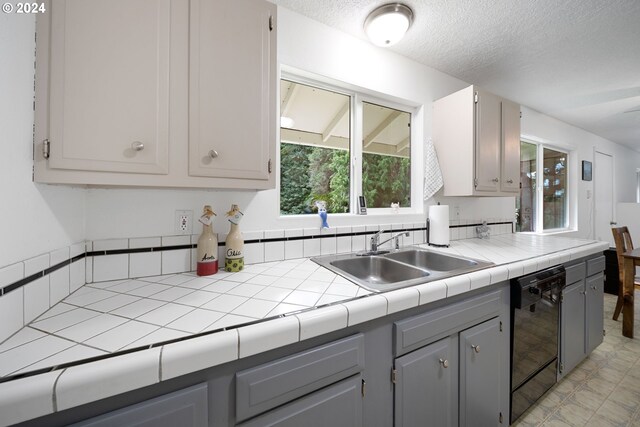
(539, 190)
(357, 97)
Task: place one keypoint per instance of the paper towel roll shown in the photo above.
(439, 225)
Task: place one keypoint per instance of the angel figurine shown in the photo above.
(322, 211)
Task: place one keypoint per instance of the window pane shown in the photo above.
(386, 152)
(314, 150)
(554, 189)
(526, 203)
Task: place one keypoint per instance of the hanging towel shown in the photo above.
(432, 173)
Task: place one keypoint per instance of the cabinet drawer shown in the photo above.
(267, 386)
(186, 407)
(595, 265)
(336, 406)
(423, 329)
(576, 272)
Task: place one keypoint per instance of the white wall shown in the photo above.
(628, 214)
(34, 218)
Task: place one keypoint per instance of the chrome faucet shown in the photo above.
(376, 243)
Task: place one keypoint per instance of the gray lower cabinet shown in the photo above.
(595, 306)
(572, 318)
(187, 407)
(427, 385)
(581, 317)
(461, 378)
(481, 369)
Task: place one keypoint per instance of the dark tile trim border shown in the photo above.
(40, 274)
(22, 282)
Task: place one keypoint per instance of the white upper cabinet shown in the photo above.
(477, 138)
(141, 92)
(232, 108)
(510, 147)
(109, 106)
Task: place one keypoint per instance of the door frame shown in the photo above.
(597, 150)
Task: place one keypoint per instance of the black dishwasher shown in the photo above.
(535, 320)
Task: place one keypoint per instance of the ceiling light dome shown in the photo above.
(386, 25)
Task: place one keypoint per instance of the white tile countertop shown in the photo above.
(233, 315)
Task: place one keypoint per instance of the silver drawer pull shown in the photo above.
(495, 180)
(213, 154)
(475, 348)
(444, 363)
(137, 146)
(509, 181)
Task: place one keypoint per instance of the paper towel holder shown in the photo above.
(428, 242)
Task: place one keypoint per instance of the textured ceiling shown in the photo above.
(575, 60)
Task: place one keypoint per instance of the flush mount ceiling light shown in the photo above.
(386, 25)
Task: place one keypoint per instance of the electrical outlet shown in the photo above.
(184, 222)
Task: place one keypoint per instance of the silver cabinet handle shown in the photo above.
(509, 181)
(475, 348)
(495, 180)
(444, 363)
(213, 154)
(137, 146)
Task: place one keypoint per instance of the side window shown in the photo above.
(543, 202)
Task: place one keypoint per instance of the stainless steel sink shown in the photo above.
(398, 269)
(378, 270)
(432, 260)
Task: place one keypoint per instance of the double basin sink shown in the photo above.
(383, 272)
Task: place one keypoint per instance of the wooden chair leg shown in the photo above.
(616, 312)
(619, 302)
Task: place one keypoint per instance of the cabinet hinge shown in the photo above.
(520, 114)
(394, 376)
(46, 148)
(270, 22)
(561, 297)
(604, 332)
(475, 97)
(269, 165)
(561, 367)
(475, 182)
(500, 418)
(501, 326)
(364, 388)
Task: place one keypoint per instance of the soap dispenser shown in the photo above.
(234, 259)
(207, 251)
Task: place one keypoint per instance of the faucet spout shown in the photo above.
(376, 243)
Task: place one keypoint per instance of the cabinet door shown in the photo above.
(339, 405)
(481, 360)
(595, 308)
(510, 177)
(572, 327)
(487, 146)
(232, 88)
(109, 85)
(426, 386)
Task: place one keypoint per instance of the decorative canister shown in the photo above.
(207, 252)
(234, 259)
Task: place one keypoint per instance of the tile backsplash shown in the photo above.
(30, 287)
